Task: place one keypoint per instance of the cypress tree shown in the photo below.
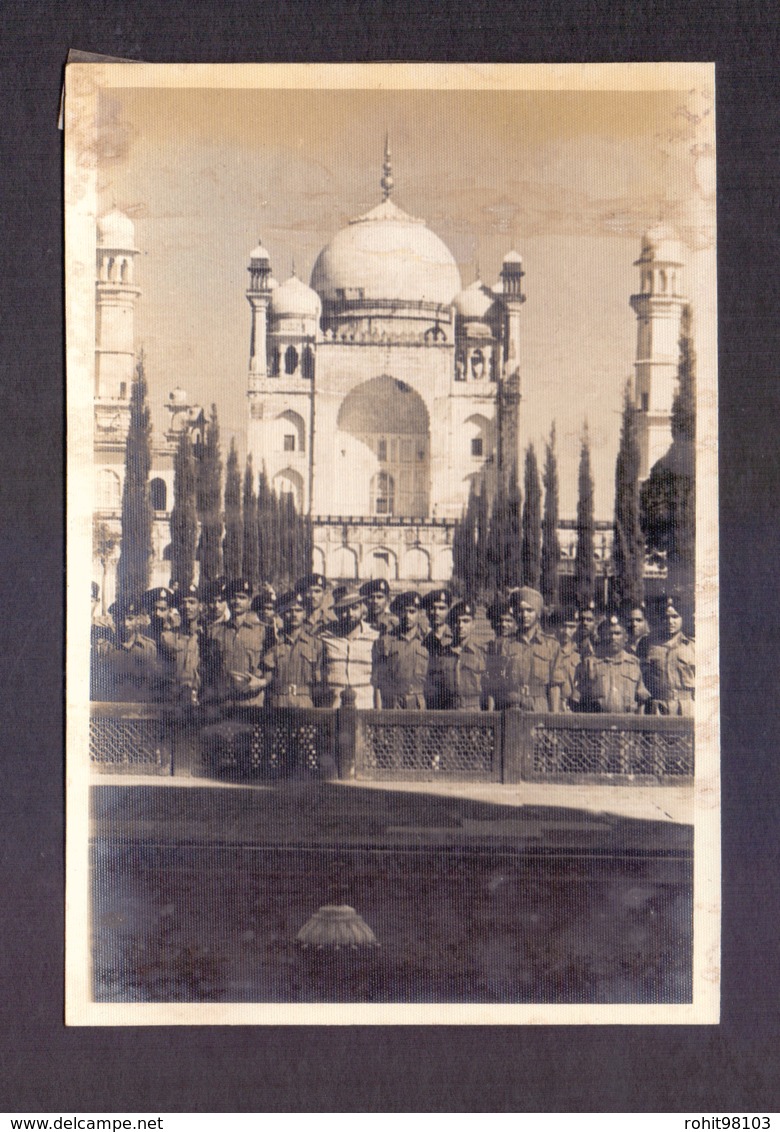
(531, 549)
(481, 570)
(209, 502)
(585, 557)
(551, 546)
(268, 559)
(512, 562)
(135, 551)
(184, 518)
(628, 548)
(497, 540)
(464, 548)
(251, 544)
(233, 543)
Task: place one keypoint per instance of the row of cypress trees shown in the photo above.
(508, 543)
(246, 531)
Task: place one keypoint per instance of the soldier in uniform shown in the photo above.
(499, 653)
(215, 686)
(157, 603)
(182, 647)
(349, 646)
(241, 644)
(671, 666)
(436, 606)
(314, 588)
(377, 598)
(532, 675)
(401, 659)
(565, 623)
(456, 670)
(264, 604)
(613, 682)
(134, 671)
(294, 666)
(587, 639)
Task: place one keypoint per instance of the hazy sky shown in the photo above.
(570, 179)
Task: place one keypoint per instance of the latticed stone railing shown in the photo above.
(508, 746)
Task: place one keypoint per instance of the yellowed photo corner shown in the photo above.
(533, 209)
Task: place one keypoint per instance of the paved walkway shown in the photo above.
(526, 817)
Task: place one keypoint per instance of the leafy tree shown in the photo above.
(104, 542)
(628, 549)
(233, 543)
(551, 546)
(135, 552)
(209, 502)
(531, 549)
(184, 517)
(585, 557)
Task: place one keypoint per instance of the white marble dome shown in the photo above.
(387, 254)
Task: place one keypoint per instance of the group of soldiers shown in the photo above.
(230, 645)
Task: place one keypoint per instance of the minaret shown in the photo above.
(258, 294)
(116, 295)
(658, 308)
(509, 393)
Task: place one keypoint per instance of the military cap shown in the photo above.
(215, 591)
(375, 586)
(498, 608)
(673, 604)
(566, 616)
(266, 595)
(433, 596)
(586, 605)
(238, 586)
(462, 609)
(95, 591)
(528, 596)
(188, 591)
(409, 599)
(345, 596)
(308, 580)
(121, 609)
(157, 593)
(613, 621)
(288, 600)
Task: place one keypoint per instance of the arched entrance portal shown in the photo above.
(390, 420)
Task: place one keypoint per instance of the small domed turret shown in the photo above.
(293, 299)
(474, 303)
(661, 245)
(116, 230)
(178, 396)
(259, 253)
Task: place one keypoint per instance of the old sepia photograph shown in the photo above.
(392, 641)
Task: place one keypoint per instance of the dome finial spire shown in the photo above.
(387, 181)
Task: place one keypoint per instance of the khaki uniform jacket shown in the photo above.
(530, 670)
(612, 683)
(671, 675)
(295, 665)
(401, 669)
(455, 675)
(565, 676)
